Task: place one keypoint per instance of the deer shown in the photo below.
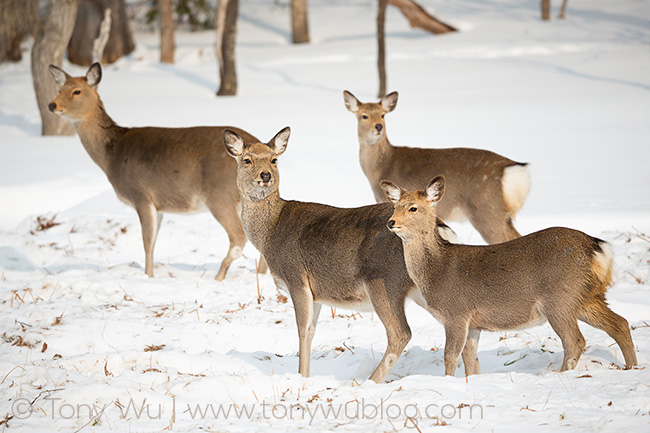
(320, 254)
(156, 170)
(483, 187)
(559, 275)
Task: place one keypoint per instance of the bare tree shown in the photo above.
(299, 24)
(99, 44)
(546, 10)
(18, 20)
(562, 13)
(381, 47)
(227, 11)
(167, 45)
(87, 28)
(420, 18)
(53, 35)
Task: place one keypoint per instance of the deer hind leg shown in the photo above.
(493, 222)
(596, 313)
(392, 315)
(227, 216)
(470, 358)
(150, 220)
(573, 343)
(456, 331)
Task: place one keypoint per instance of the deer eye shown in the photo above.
(247, 161)
(274, 160)
(77, 92)
(364, 117)
(382, 116)
(413, 209)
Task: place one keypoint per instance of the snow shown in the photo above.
(89, 343)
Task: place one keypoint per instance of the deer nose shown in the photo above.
(391, 224)
(266, 176)
(52, 106)
(379, 127)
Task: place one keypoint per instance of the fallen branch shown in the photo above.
(420, 18)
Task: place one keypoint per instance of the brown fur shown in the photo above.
(322, 254)
(155, 170)
(557, 274)
(483, 187)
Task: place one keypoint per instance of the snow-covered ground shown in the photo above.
(90, 344)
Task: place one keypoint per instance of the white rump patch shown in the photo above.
(603, 263)
(516, 186)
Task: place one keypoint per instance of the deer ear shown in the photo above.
(435, 190)
(351, 102)
(389, 102)
(59, 75)
(94, 75)
(234, 143)
(280, 141)
(392, 191)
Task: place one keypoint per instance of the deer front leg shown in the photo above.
(470, 359)
(455, 339)
(149, 222)
(307, 312)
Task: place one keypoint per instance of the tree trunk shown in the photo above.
(419, 18)
(54, 30)
(166, 31)
(381, 45)
(299, 25)
(99, 44)
(87, 28)
(18, 19)
(546, 10)
(227, 11)
(562, 13)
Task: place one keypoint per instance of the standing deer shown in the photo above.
(322, 254)
(483, 187)
(557, 274)
(155, 170)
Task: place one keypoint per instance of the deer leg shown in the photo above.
(597, 314)
(159, 218)
(392, 315)
(149, 219)
(262, 267)
(227, 216)
(307, 312)
(456, 331)
(573, 342)
(494, 223)
(470, 358)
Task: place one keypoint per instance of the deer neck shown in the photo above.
(375, 157)
(98, 134)
(425, 254)
(259, 217)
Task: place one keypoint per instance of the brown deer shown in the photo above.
(322, 254)
(156, 170)
(557, 274)
(483, 187)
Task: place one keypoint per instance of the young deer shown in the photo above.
(155, 170)
(557, 274)
(322, 254)
(483, 187)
